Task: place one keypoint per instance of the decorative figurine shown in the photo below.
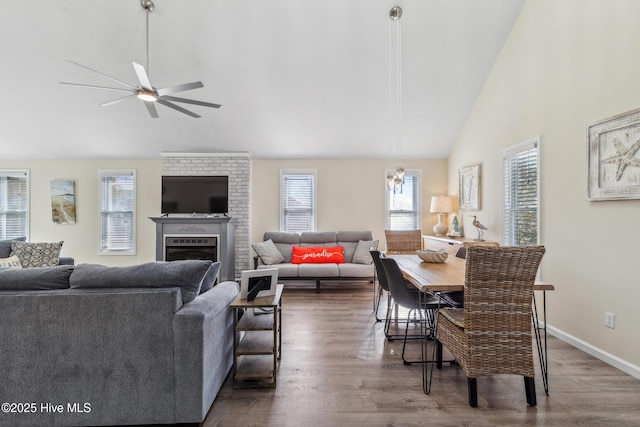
(480, 229)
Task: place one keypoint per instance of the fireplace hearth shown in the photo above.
(198, 237)
(191, 247)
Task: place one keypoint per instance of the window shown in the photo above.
(298, 200)
(14, 203)
(521, 194)
(117, 212)
(402, 206)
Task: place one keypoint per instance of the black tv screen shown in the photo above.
(195, 194)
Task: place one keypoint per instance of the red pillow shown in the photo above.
(320, 255)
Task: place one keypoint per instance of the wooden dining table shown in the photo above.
(448, 276)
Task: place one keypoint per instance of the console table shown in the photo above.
(449, 244)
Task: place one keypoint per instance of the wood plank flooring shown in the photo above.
(337, 369)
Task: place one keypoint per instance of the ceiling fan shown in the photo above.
(145, 91)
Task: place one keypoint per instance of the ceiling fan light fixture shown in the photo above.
(147, 95)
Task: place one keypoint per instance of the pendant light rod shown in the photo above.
(396, 179)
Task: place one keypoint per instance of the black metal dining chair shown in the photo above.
(410, 298)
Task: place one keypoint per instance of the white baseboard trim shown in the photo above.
(609, 358)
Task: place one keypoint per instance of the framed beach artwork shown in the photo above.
(469, 181)
(63, 202)
(614, 164)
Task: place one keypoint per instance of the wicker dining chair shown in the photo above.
(399, 241)
(492, 334)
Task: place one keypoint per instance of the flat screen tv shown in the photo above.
(195, 194)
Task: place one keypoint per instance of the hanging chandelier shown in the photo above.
(396, 179)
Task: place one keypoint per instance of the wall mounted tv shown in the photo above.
(195, 194)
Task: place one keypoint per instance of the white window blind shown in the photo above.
(521, 194)
(117, 212)
(14, 204)
(298, 200)
(403, 204)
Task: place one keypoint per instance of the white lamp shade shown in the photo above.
(441, 204)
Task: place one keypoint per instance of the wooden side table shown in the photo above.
(257, 340)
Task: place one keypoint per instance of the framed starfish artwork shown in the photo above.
(614, 158)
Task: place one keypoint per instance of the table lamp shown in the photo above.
(441, 205)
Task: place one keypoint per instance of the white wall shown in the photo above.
(350, 193)
(81, 239)
(567, 64)
(350, 197)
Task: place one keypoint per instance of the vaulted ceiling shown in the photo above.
(296, 78)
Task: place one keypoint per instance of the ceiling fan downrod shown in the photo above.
(148, 6)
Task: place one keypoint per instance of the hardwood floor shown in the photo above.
(337, 369)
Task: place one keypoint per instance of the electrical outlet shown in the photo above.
(609, 320)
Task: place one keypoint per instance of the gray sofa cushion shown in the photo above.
(354, 236)
(361, 254)
(210, 278)
(349, 240)
(268, 252)
(186, 274)
(35, 278)
(318, 238)
(284, 270)
(283, 241)
(318, 270)
(355, 270)
(5, 246)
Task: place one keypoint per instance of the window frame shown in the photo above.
(101, 247)
(27, 202)
(512, 152)
(417, 204)
(299, 172)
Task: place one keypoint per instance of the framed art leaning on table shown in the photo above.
(258, 283)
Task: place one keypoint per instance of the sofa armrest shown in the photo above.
(203, 350)
(65, 260)
(256, 262)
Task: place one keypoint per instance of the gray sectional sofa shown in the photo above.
(358, 265)
(95, 345)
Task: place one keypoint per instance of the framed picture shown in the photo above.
(266, 279)
(469, 181)
(63, 202)
(614, 165)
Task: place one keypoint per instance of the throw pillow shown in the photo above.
(11, 262)
(318, 255)
(268, 252)
(36, 254)
(5, 246)
(37, 278)
(185, 274)
(362, 255)
(210, 278)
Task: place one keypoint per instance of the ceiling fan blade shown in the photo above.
(191, 101)
(96, 87)
(143, 78)
(179, 88)
(177, 108)
(103, 74)
(153, 112)
(115, 101)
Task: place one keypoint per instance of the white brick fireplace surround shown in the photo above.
(237, 166)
